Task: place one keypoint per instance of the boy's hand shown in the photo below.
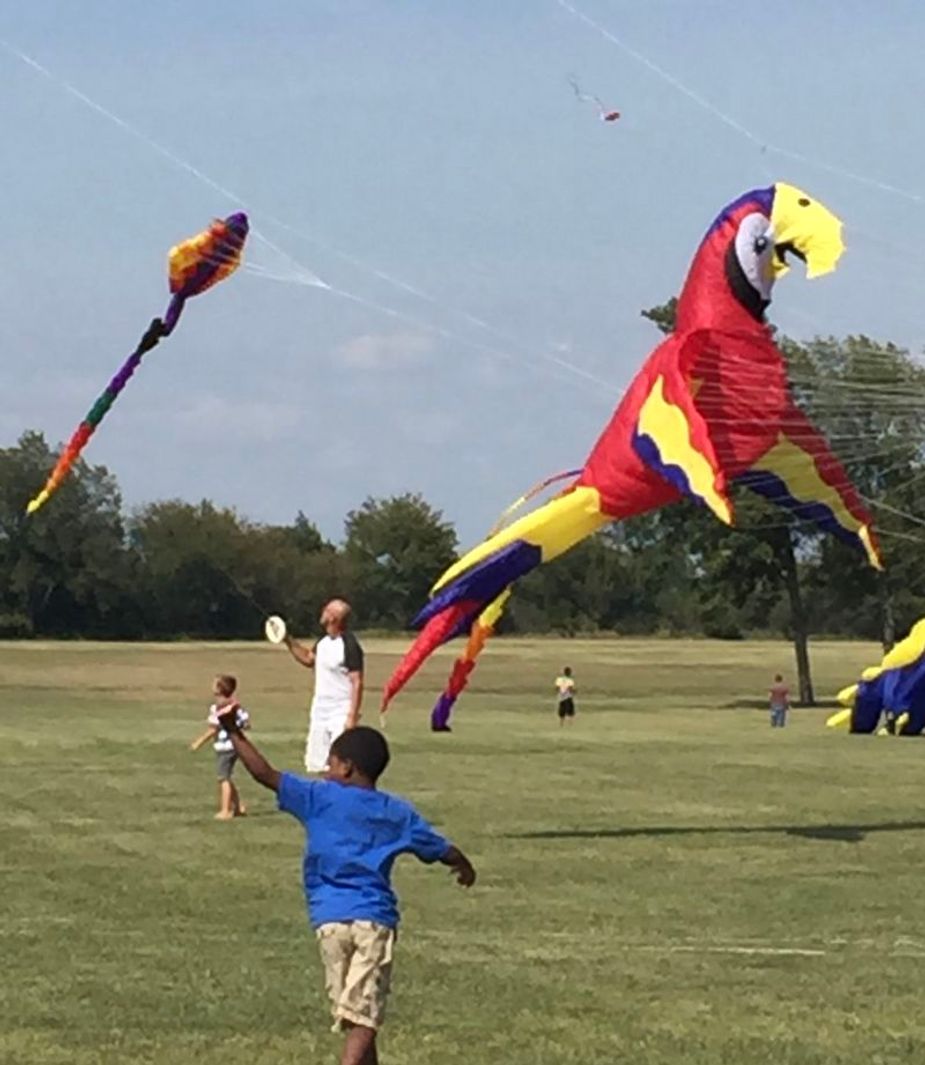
(462, 868)
(228, 720)
(465, 875)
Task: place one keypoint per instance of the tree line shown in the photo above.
(83, 567)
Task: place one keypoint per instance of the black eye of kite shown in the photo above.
(803, 202)
(749, 267)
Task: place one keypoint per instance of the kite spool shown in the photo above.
(275, 629)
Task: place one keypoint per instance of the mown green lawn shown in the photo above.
(667, 881)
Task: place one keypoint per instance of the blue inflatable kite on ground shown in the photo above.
(893, 691)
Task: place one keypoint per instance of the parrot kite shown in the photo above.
(894, 690)
(193, 266)
(711, 406)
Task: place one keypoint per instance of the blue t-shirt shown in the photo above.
(353, 837)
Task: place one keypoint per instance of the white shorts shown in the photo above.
(324, 727)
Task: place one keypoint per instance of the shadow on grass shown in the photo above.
(837, 833)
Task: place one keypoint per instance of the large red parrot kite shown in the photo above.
(710, 406)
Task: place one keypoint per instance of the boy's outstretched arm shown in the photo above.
(463, 869)
(254, 762)
(209, 734)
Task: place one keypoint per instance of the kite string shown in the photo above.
(304, 275)
(404, 286)
(728, 120)
(894, 510)
(156, 146)
(301, 274)
(451, 335)
(701, 101)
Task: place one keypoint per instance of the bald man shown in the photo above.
(337, 659)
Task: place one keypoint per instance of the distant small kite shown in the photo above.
(605, 113)
(194, 265)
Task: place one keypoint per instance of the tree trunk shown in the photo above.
(799, 626)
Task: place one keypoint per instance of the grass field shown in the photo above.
(667, 881)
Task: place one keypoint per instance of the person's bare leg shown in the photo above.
(237, 807)
(226, 810)
(360, 1047)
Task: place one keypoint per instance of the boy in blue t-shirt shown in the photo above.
(354, 835)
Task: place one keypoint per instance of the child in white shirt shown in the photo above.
(229, 801)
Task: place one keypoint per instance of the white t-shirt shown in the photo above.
(336, 657)
(222, 739)
(565, 688)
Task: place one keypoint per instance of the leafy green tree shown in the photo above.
(193, 570)
(205, 571)
(305, 535)
(65, 569)
(397, 547)
(294, 572)
(664, 572)
(585, 590)
(867, 397)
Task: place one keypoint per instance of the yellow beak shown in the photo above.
(801, 224)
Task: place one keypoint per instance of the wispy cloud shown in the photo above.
(258, 420)
(381, 351)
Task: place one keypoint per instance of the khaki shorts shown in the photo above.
(357, 958)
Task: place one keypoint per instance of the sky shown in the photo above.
(490, 241)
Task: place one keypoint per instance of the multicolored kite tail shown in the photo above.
(483, 628)
(194, 265)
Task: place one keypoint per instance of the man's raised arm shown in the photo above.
(305, 656)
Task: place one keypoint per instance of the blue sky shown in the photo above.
(440, 144)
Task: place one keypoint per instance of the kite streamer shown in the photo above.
(710, 407)
(479, 635)
(485, 624)
(194, 266)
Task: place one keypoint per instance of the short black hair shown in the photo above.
(365, 748)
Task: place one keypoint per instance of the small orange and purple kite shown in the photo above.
(194, 265)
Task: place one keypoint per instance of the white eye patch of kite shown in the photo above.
(754, 246)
